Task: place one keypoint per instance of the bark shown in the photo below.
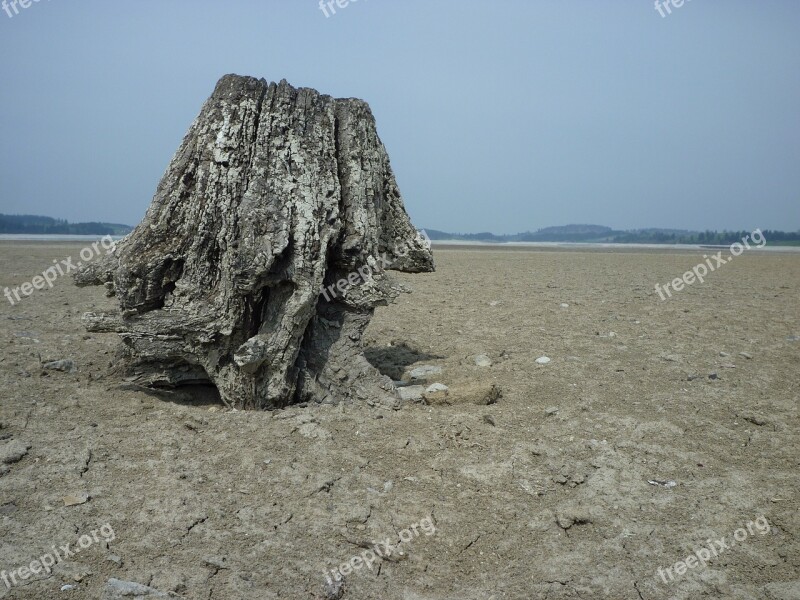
(275, 194)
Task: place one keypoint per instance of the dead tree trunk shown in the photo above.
(275, 194)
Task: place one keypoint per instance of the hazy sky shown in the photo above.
(502, 115)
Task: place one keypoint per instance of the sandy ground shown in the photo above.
(543, 494)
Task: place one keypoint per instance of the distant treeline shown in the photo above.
(601, 234)
(47, 225)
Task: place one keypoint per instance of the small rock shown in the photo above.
(671, 357)
(564, 305)
(551, 411)
(567, 517)
(483, 361)
(665, 484)
(13, 451)
(692, 377)
(76, 499)
(728, 366)
(114, 558)
(489, 419)
(713, 376)
(126, 590)
(436, 387)
(411, 392)
(542, 360)
(333, 588)
(66, 365)
(68, 587)
(746, 355)
(793, 338)
(422, 372)
(217, 562)
(723, 354)
(494, 303)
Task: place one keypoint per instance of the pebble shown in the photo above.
(67, 365)
(489, 419)
(564, 305)
(422, 372)
(13, 452)
(542, 360)
(120, 590)
(665, 484)
(436, 387)
(551, 411)
(746, 355)
(483, 361)
(724, 354)
(76, 499)
(713, 376)
(411, 392)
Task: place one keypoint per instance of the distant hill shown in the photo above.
(602, 234)
(35, 224)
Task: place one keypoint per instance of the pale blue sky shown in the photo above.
(504, 116)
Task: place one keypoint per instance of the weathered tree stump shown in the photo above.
(275, 194)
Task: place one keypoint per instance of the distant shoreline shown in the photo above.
(6, 238)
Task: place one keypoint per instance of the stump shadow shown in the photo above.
(392, 361)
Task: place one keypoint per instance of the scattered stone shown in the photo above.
(665, 484)
(333, 588)
(76, 499)
(564, 305)
(723, 354)
(436, 387)
(422, 372)
(746, 355)
(494, 303)
(116, 559)
(412, 392)
(567, 517)
(489, 419)
(483, 361)
(542, 360)
(13, 451)
(793, 338)
(68, 587)
(479, 393)
(713, 376)
(551, 411)
(692, 377)
(217, 562)
(728, 366)
(670, 357)
(66, 365)
(126, 590)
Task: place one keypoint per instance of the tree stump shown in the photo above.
(275, 195)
